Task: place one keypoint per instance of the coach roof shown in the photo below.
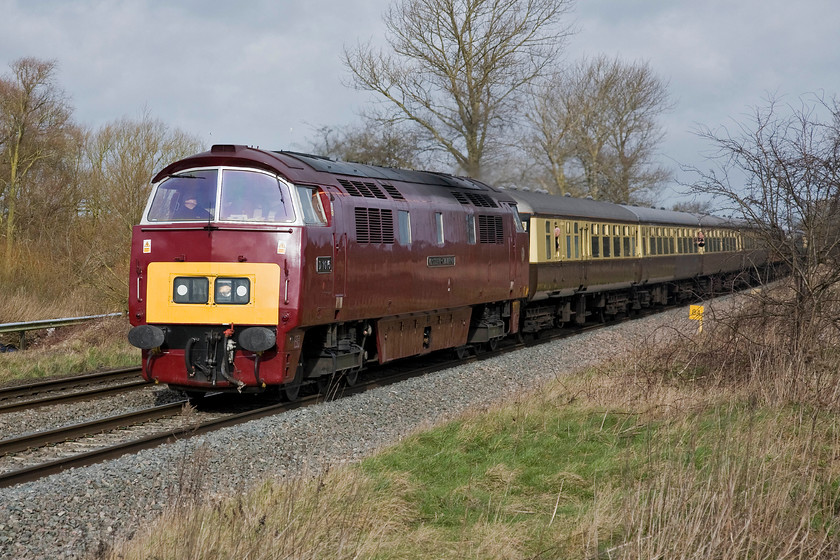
(544, 204)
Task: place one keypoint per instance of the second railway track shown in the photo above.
(70, 389)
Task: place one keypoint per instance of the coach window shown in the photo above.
(605, 241)
(439, 227)
(596, 242)
(404, 225)
(628, 252)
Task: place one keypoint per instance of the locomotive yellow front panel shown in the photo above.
(218, 293)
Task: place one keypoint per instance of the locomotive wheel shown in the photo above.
(462, 352)
(351, 377)
(291, 390)
(493, 343)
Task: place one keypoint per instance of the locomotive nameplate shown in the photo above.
(323, 265)
(438, 262)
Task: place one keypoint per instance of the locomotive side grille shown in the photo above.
(490, 229)
(361, 189)
(374, 225)
(392, 190)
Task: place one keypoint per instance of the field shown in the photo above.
(721, 446)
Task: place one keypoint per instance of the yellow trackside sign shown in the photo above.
(695, 312)
(259, 305)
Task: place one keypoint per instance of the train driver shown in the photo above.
(191, 206)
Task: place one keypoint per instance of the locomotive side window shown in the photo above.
(250, 196)
(439, 227)
(404, 224)
(310, 205)
(189, 196)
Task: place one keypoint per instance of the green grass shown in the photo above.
(671, 452)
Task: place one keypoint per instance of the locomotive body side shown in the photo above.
(359, 264)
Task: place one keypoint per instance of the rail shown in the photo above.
(23, 327)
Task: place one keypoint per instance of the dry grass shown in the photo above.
(720, 445)
(98, 344)
(337, 514)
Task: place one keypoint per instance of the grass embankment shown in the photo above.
(99, 344)
(722, 447)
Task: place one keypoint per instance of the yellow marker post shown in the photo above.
(695, 313)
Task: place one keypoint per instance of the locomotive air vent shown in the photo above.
(482, 200)
(461, 197)
(490, 229)
(358, 188)
(392, 190)
(477, 199)
(374, 225)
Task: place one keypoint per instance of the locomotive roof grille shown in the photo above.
(359, 188)
(476, 199)
(393, 191)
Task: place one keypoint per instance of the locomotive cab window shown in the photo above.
(189, 196)
(250, 196)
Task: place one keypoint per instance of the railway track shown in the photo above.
(32, 456)
(70, 389)
(84, 444)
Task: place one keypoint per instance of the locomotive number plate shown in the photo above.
(437, 262)
(323, 265)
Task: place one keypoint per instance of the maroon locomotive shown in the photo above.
(253, 268)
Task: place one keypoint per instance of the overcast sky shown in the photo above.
(268, 72)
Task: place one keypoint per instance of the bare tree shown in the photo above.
(34, 123)
(780, 172)
(119, 161)
(373, 142)
(595, 128)
(457, 68)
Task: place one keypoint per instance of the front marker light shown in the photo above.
(236, 291)
(190, 289)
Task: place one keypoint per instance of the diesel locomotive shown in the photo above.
(253, 269)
